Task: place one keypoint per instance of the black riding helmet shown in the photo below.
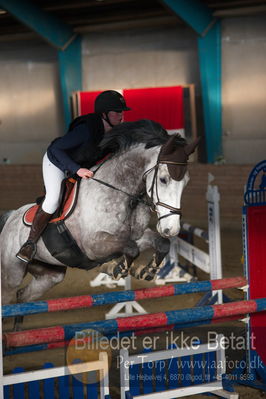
(110, 100)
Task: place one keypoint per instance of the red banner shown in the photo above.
(161, 104)
(86, 101)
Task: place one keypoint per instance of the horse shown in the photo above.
(147, 169)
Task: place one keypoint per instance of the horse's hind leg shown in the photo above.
(12, 273)
(44, 278)
(151, 239)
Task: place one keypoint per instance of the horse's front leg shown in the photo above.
(120, 269)
(151, 239)
(127, 250)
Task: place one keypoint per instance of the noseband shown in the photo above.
(154, 188)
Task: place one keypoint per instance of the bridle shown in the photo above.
(154, 188)
(137, 198)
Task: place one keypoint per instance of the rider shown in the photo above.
(72, 154)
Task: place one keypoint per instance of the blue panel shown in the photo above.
(193, 12)
(160, 375)
(92, 391)
(210, 70)
(49, 27)
(186, 376)
(70, 74)
(49, 384)
(147, 370)
(134, 380)
(64, 387)
(6, 392)
(78, 387)
(19, 389)
(198, 369)
(173, 370)
(210, 366)
(34, 389)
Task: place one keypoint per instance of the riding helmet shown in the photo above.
(110, 100)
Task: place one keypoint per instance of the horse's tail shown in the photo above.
(3, 219)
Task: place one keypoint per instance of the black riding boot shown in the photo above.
(28, 250)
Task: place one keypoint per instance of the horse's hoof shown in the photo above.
(146, 273)
(148, 276)
(119, 271)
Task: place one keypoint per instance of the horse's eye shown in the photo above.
(163, 180)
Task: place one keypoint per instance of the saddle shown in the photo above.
(68, 200)
(57, 237)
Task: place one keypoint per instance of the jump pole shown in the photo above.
(156, 330)
(62, 333)
(53, 305)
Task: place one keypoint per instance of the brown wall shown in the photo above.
(21, 184)
(230, 180)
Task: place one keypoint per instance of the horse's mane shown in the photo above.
(144, 131)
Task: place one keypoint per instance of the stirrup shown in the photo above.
(27, 251)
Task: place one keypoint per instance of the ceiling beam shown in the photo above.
(84, 4)
(166, 21)
(70, 69)
(237, 12)
(46, 25)
(193, 12)
(232, 4)
(200, 18)
(209, 50)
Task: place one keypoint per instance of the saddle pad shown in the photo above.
(68, 208)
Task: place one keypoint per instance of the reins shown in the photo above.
(134, 197)
(138, 198)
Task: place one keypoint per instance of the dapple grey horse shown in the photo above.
(105, 225)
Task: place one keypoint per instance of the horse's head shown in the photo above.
(165, 184)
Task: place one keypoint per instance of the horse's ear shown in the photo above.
(169, 146)
(190, 148)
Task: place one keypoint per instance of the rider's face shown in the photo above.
(116, 117)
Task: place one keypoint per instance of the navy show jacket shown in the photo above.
(78, 146)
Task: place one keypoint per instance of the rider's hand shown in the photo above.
(86, 173)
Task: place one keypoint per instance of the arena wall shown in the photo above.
(22, 184)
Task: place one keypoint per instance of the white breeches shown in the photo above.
(52, 177)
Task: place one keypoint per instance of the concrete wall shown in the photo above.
(244, 89)
(143, 58)
(30, 102)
